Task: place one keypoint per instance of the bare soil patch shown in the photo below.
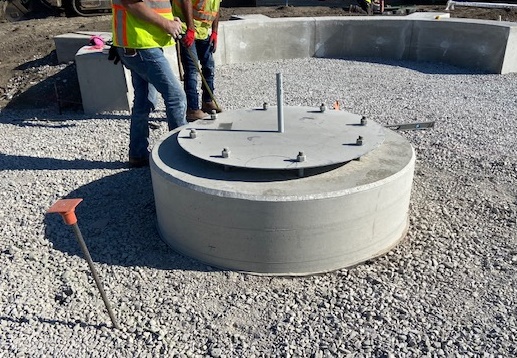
(30, 75)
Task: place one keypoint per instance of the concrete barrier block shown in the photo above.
(68, 44)
(104, 86)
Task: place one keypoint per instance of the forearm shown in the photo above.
(215, 24)
(186, 7)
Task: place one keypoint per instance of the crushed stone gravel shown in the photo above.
(448, 289)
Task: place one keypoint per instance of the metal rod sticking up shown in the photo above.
(280, 102)
(66, 208)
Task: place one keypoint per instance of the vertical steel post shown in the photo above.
(280, 102)
(86, 253)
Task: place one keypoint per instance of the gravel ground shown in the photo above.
(448, 289)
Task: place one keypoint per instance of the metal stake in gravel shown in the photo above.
(66, 207)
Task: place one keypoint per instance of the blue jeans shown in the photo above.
(202, 53)
(151, 73)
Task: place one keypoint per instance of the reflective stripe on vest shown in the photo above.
(204, 24)
(201, 11)
(132, 32)
(204, 11)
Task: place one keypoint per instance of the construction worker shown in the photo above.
(200, 21)
(140, 31)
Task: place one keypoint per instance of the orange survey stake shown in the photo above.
(66, 207)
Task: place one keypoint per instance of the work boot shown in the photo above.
(195, 114)
(208, 107)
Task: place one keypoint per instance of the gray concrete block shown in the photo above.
(68, 44)
(104, 86)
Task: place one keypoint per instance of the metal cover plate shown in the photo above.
(252, 138)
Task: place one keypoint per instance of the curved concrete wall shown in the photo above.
(489, 46)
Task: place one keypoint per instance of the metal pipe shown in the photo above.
(451, 4)
(86, 253)
(205, 84)
(280, 102)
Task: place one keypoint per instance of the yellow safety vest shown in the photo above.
(204, 13)
(132, 32)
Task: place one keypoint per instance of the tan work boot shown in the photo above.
(195, 114)
(208, 107)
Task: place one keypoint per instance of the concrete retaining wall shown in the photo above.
(474, 44)
(487, 46)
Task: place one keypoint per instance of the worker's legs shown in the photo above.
(190, 75)
(152, 66)
(206, 59)
(139, 128)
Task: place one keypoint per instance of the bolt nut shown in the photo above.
(323, 108)
(265, 106)
(226, 153)
(363, 120)
(359, 140)
(193, 133)
(301, 157)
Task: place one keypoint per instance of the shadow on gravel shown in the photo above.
(43, 83)
(117, 219)
(20, 162)
(430, 68)
(68, 324)
(50, 118)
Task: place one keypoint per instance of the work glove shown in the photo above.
(113, 55)
(189, 38)
(213, 41)
(96, 42)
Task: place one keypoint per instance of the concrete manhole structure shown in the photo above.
(282, 190)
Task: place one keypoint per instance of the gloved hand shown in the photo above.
(189, 38)
(213, 41)
(113, 55)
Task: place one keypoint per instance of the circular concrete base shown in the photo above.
(276, 223)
